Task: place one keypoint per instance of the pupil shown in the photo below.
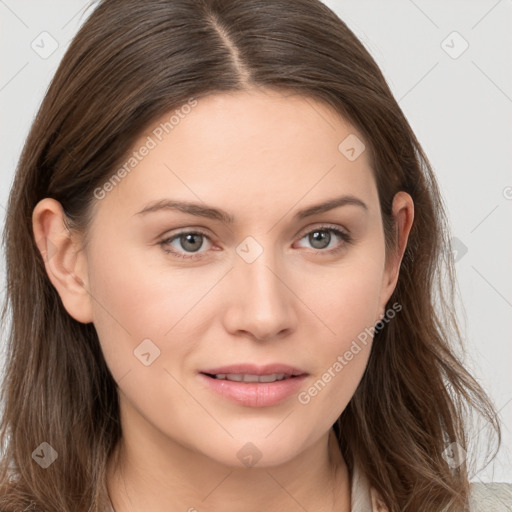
(323, 236)
(190, 239)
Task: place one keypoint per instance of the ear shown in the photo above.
(403, 214)
(65, 264)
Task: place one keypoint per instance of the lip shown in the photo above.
(254, 394)
(253, 369)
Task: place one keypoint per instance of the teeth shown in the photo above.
(237, 377)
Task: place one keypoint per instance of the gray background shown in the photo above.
(457, 99)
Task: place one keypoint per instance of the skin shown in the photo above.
(261, 157)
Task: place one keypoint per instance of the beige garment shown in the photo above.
(363, 497)
(484, 497)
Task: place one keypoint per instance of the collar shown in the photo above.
(363, 497)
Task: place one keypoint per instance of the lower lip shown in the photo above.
(255, 394)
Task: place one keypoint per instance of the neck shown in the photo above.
(146, 477)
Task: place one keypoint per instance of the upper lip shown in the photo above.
(253, 369)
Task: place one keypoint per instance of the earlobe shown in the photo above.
(403, 214)
(65, 264)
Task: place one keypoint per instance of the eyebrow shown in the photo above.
(210, 212)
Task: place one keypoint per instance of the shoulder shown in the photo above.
(484, 497)
(490, 497)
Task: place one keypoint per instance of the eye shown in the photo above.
(320, 238)
(188, 241)
(187, 244)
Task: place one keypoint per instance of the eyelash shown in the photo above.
(338, 232)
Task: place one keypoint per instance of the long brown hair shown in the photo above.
(131, 62)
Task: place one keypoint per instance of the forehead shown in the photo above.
(240, 145)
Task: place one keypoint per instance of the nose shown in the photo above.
(261, 302)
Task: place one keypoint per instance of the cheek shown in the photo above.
(141, 297)
(349, 306)
(134, 301)
(346, 299)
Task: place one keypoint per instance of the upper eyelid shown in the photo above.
(301, 233)
(325, 226)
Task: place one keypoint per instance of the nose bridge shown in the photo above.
(262, 301)
(258, 269)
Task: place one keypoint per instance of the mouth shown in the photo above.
(239, 377)
(254, 386)
(247, 372)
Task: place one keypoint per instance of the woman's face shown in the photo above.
(273, 290)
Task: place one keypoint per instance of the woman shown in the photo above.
(223, 243)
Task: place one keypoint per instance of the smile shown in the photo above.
(237, 377)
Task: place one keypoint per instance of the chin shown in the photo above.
(252, 452)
